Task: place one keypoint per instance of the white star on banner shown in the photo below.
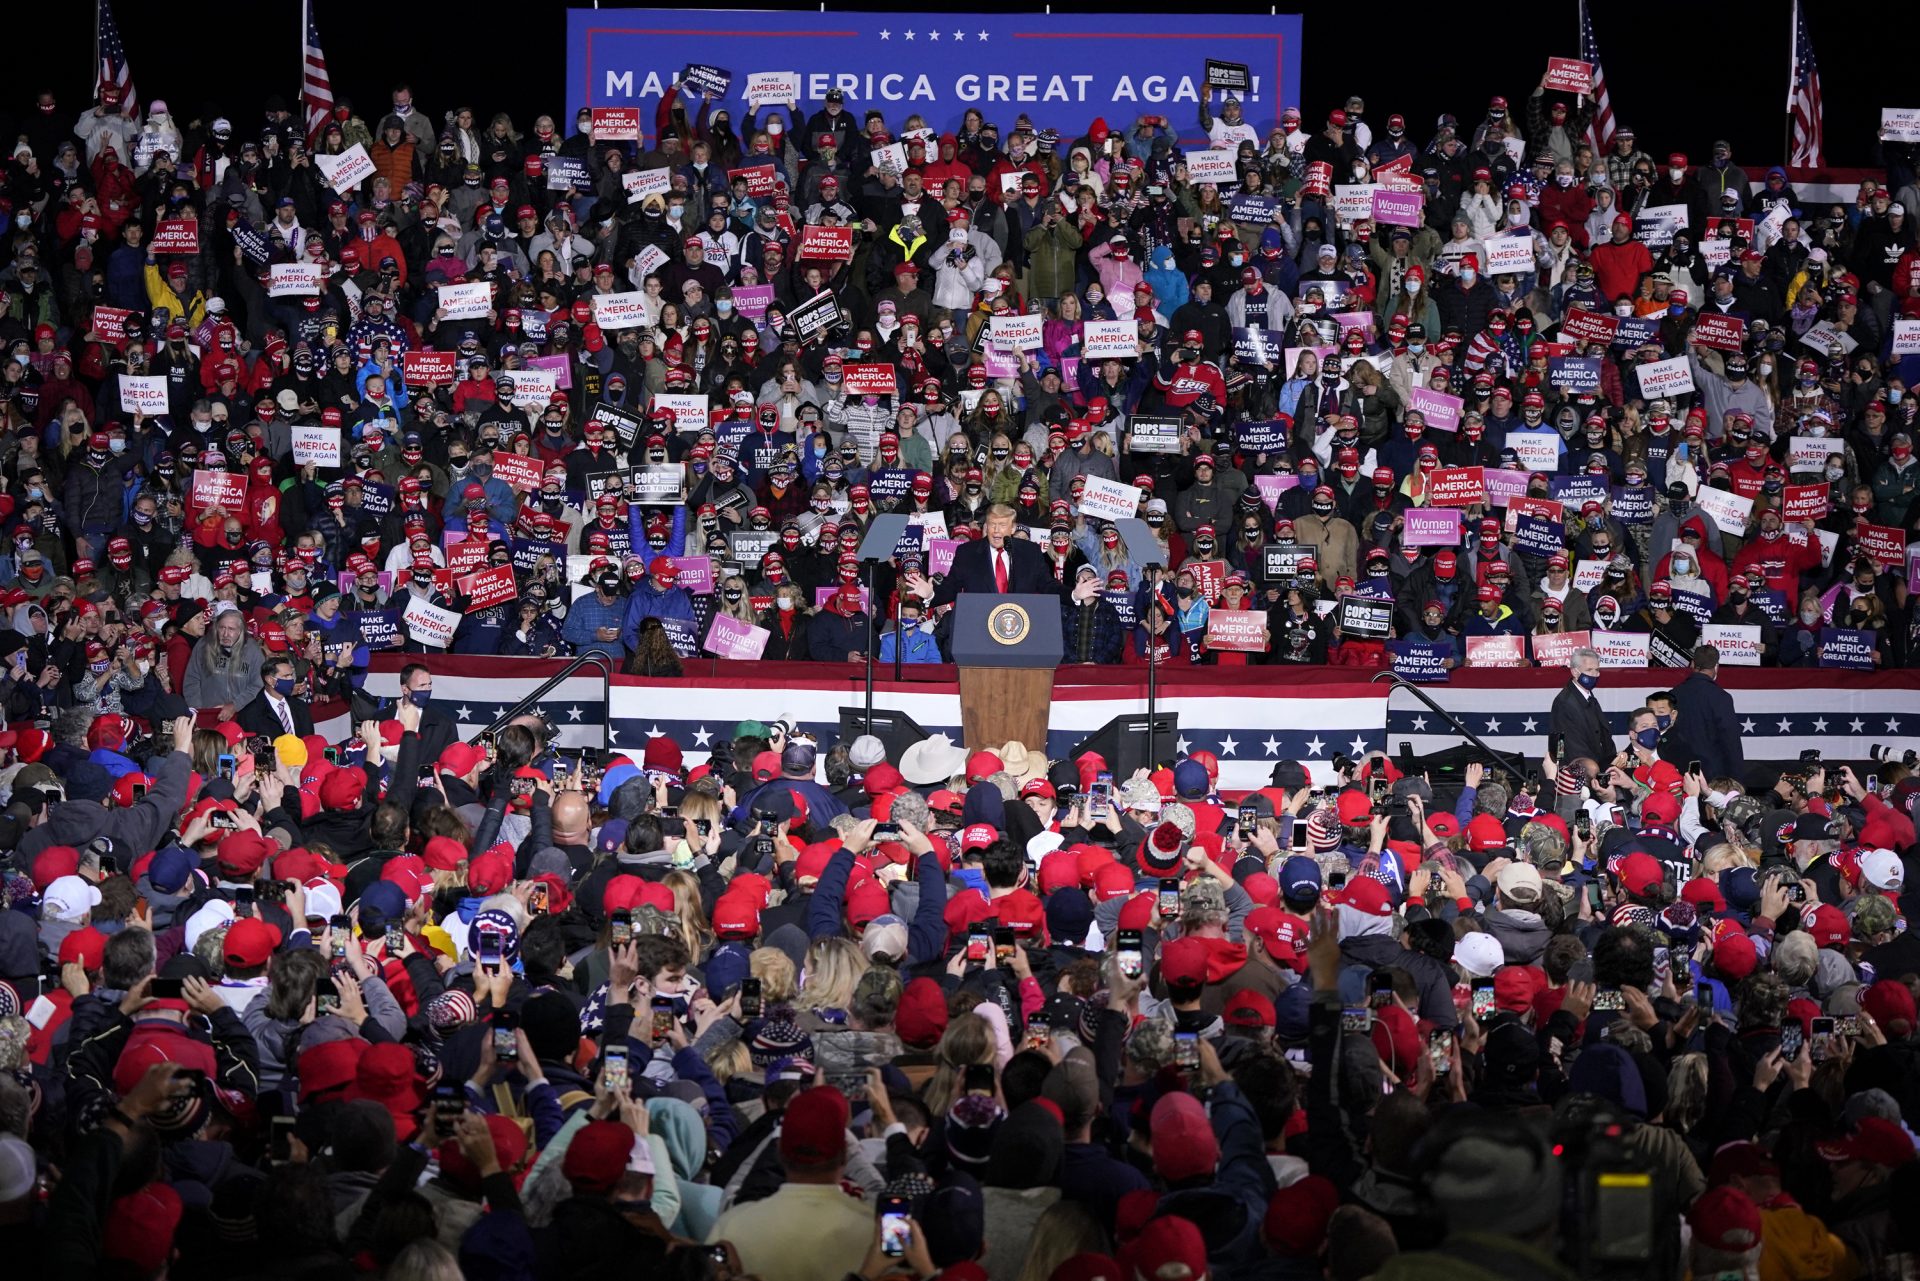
(983, 37)
(1529, 725)
(1273, 746)
(1893, 725)
(463, 713)
(933, 35)
(1359, 746)
(885, 34)
(700, 736)
(1857, 725)
(1315, 746)
(1746, 727)
(613, 735)
(575, 713)
(1181, 747)
(960, 36)
(1493, 724)
(655, 732)
(1420, 723)
(1786, 726)
(909, 35)
(1820, 725)
(1227, 745)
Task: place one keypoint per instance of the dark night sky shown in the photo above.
(1417, 59)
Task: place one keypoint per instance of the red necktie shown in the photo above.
(1000, 571)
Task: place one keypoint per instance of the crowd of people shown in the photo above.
(1296, 380)
(401, 1005)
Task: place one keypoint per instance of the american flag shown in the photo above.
(1803, 99)
(113, 62)
(316, 91)
(1600, 131)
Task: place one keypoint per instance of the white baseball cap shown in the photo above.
(68, 899)
(1479, 954)
(1883, 870)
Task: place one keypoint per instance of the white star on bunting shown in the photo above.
(1746, 727)
(1227, 746)
(1273, 746)
(700, 736)
(1359, 746)
(1315, 746)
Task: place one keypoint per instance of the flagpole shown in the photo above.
(96, 50)
(1793, 68)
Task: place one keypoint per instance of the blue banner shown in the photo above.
(1577, 491)
(1062, 70)
(1848, 648)
(1538, 536)
(1420, 660)
(377, 628)
(1261, 438)
(1633, 504)
(1574, 374)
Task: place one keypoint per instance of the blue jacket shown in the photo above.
(649, 601)
(921, 648)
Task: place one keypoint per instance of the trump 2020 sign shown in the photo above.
(1061, 70)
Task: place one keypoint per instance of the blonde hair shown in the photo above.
(774, 968)
(967, 1041)
(688, 912)
(729, 1059)
(1686, 1092)
(424, 1260)
(1063, 1230)
(742, 610)
(834, 967)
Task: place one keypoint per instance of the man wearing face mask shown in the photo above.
(655, 596)
(94, 492)
(278, 710)
(1579, 727)
(594, 622)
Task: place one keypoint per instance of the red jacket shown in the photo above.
(1617, 268)
(1781, 562)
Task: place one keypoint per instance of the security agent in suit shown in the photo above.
(977, 566)
(1579, 726)
(264, 715)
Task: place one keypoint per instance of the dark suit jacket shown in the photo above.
(258, 717)
(1710, 726)
(972, 571)
(1579, 722)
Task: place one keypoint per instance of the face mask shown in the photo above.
(784, 604)
(284, 686)
(1468, 276)
(1676, 174)
(1648, 738)
(1809, 616)
(420, 697)
(1588, 680)
(733, 597)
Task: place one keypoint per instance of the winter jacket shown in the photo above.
(1052, 254)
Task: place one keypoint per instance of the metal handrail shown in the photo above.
(574, 664)
(1402, 682)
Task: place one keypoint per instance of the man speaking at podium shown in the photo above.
(998, 564)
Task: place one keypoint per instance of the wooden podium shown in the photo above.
(1007, 648)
